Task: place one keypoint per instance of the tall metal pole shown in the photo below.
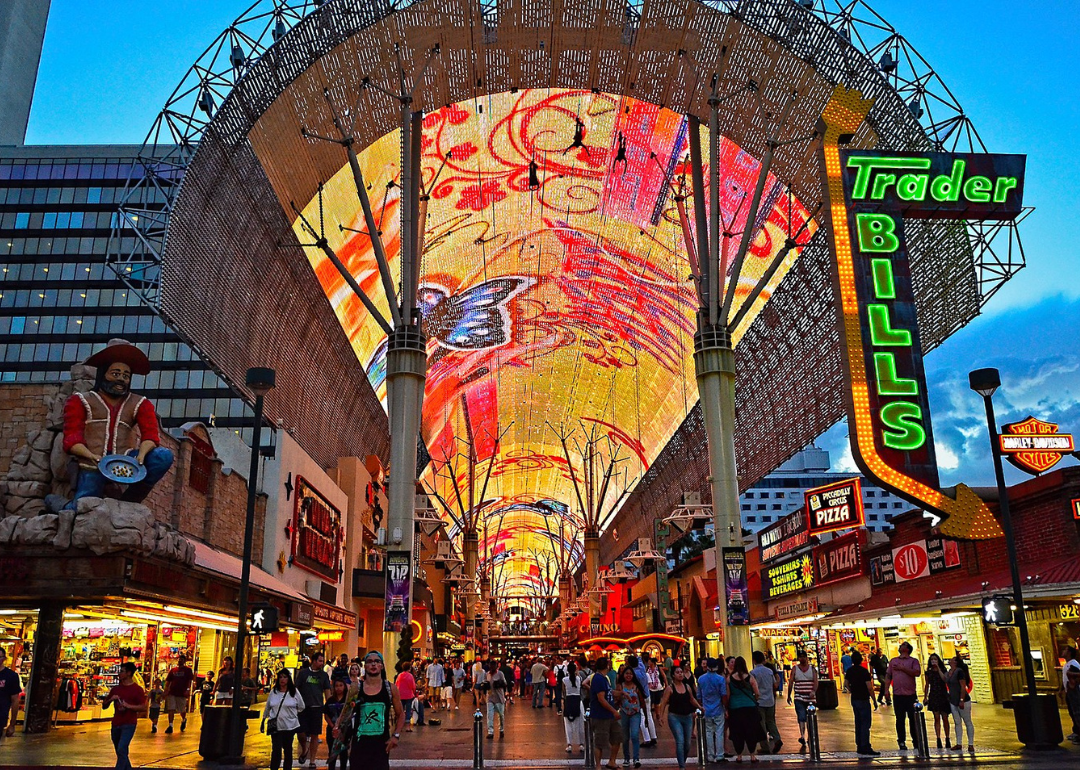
(406, 371)
(236, 726)
(1038, 729)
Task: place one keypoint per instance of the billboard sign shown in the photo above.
(787, 577)
(841, 558)
(869, 194)
(736, 589)
(789, 534)
(317, 533)
(398, 588)
(835, 507)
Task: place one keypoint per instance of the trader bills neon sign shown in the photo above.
(869, 194)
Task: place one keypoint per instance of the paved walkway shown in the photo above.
(534, 739)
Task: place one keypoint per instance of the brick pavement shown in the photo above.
(534, 739)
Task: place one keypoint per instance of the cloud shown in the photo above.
(1036, 349)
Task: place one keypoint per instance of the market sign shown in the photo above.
(788, 534)
(780, 633)
(787, 577)
(869, 193)
(317, 533)
(834, 507)
(736, 589)
(1034, 446)
(841, 558)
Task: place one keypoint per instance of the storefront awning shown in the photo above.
(212, 560)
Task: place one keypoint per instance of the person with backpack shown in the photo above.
(281, 720)
(376, 719)
(573, 718)
(743, 716)
(959, 683)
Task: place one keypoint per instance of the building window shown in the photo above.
(871, 493)
(749, 495)
(761, 507)
(897, 505)
(745, 507)
(778, 507)
(201, 465)
(751, 519)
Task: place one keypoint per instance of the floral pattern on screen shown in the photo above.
(555, 290)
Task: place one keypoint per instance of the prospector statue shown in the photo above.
(111, 420)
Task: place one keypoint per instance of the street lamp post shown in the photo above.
(260, 380)
(985, 382)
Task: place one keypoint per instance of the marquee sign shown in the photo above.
(869, 193)
(841, 558)
(1075, 509)
(1034, 446)
(787, 577)
(835, 507)
(316, 533)
(789, 534)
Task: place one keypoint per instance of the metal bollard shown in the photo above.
(918, 733)
(590, 756)
(702, 744)
(812, 739)
(478, 740)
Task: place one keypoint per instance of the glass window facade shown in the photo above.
(59, 301)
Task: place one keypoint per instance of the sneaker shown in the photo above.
(957, 747)
(776, 748)
(626, 763)
(153, 728)
(568, 748)
(491, 736)
(637, 763)
(183, 725)
(902, 746)
(872, 753)
(168, 730)
(802, 742)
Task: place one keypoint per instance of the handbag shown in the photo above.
(270, 724)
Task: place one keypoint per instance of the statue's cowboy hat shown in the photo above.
(122, 351)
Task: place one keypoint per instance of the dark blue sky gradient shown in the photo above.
(108, 67)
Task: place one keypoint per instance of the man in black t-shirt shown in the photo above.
(861, 686)
(10, 688)
(313, 684)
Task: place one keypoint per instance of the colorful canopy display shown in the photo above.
(557, 297)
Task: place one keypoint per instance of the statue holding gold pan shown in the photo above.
(111, 433)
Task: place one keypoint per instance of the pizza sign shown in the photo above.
(834, 507)
(1034, 446)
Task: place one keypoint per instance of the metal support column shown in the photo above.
(406, 368)
(592, 571)
(714, 363)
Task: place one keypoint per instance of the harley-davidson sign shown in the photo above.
(1034, 446)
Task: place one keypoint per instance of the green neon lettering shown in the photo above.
(882, 182)
(888, 382)
(884, 285)
(946, 189)
(881, 329)
(877, 233)
(1001, 189)
(977, 189)
(866, 166)
(902, 418)
(912, 187)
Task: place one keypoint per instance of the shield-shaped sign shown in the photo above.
(1034, 446)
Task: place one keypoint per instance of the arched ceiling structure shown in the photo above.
(553, 304)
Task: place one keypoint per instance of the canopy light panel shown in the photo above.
(556, 292)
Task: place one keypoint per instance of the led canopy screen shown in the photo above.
(556, 293)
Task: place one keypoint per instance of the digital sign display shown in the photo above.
(869, 193)
(787, 577)
(834, 507)
(555, 292)
(789, 534)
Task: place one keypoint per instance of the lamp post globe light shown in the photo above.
(260, 381)
(985, 382)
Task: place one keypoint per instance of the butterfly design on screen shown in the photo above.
(476, 318)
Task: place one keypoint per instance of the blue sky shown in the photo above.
(108, 67)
